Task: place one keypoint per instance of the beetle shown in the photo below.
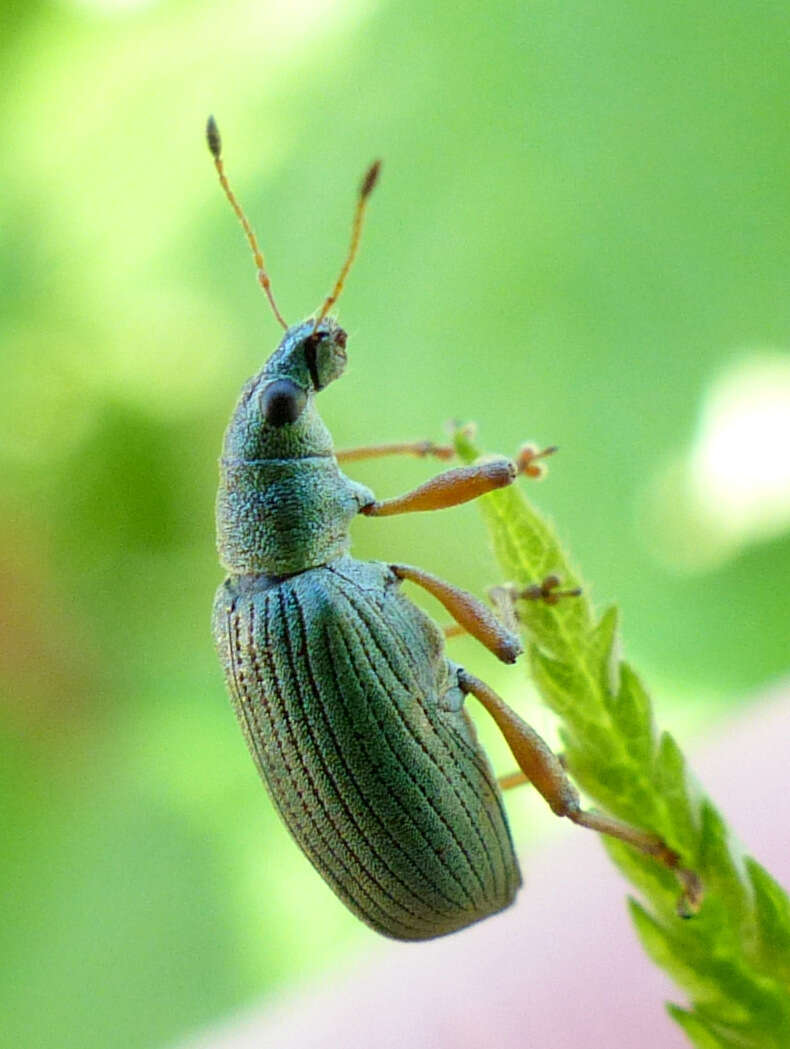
(348, 703)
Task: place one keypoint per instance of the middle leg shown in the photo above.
(468, 611)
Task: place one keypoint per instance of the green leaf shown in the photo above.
(603, 651)
(700, 1033)
(556, 680)
(671, 785)
(733, 957)
(718, 867)
(772, 918)
(633, 716)
(670, 951)
(655, 882)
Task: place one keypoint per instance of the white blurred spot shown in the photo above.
(741, 459)
(732, 487)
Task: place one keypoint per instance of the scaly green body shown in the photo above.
(348, 704)
(354, 719)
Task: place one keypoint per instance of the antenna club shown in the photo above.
(215, 144)
(369, 181)
(212, 137)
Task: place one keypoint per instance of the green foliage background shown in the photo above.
(583, 218)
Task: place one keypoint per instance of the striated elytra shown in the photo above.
(349, 705)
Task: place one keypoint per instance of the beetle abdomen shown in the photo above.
(353, 717)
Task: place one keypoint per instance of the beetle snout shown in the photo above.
(282, 402)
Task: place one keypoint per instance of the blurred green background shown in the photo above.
(581, 237)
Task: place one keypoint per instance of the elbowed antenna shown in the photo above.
(365, 189)
(215, 146)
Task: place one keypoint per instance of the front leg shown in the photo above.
(450, 488)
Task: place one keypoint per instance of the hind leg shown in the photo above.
(545, 772)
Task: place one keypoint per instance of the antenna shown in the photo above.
(215, 145)
(366, 188)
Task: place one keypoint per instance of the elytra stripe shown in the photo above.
(345, 883)
(404, 766)
(328, 705)
(410, 732)
(451, 782)
(339, 796)
(246, 707)
(500, 827)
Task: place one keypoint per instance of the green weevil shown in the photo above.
(350, 708)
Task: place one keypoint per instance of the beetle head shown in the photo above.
(308, 359)
(276, 417)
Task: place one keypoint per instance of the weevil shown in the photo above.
(352, 711)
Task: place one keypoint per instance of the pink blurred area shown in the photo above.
(560, 970)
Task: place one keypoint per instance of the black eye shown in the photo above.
(282, 402)
(311, 355)
(325, 356)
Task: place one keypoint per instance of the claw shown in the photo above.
(527, 456)
(547, 591)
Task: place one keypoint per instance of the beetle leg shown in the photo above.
(468, 611)
(545, 771)
(547, 590)
(519, 778)
(512, 779)
(450, 488)
(453, 630)
(421, 449)
(504, 597)
(528, 456)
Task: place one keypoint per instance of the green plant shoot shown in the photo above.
(733, 958)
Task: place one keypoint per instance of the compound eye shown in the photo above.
(282, 402)
(325, 355)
